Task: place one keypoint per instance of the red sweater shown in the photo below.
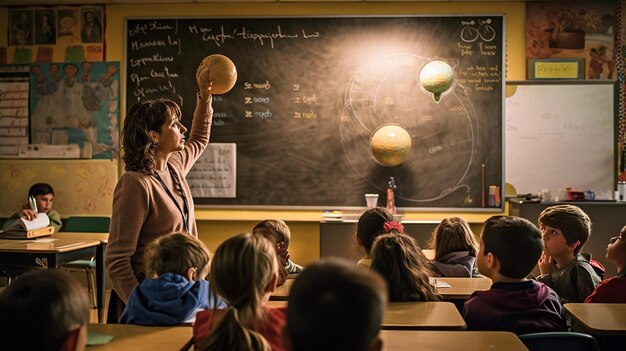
(272, 328)
(612, 290)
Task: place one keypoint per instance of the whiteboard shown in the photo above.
(559, 136)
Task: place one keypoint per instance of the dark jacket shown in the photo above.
(169, 299)
(456, 264)
(521, 308)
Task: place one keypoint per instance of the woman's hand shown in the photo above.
(546, 265)
(204, 82)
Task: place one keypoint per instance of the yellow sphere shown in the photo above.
(436, 77)
(218, 69)
(391, 145)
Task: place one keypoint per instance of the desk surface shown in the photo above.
(134, 337)
(430, 254)
(46, 245)
(460, 288)
(410, 340)
(415, 316)
(598, 318)
(102, 237)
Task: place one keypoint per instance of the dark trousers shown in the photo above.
(116, 307)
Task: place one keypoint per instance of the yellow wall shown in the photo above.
(217, 224)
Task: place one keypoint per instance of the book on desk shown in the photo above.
(22, 228)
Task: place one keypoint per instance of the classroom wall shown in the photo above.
(217, 224)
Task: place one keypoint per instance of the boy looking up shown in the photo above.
(565, 229)
(509, 249)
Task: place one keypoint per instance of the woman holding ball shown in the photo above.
(152, 198)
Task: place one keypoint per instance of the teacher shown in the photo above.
(152, 198)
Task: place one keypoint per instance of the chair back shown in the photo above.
(88, 224)
(570, 341)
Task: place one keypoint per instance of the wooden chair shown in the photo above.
(89, 225)
(550, 341)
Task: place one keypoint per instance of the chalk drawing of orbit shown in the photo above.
(444, 133)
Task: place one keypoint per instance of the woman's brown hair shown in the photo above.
(398, 258)
(142, 117)
(451, 235)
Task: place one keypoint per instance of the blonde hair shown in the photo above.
(451, 235)
(176, 253)
(398, 258)
(242, 268)
(273, 229)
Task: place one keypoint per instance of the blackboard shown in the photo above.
(311, 91)
(564, 132)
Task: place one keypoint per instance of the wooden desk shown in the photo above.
(430, 254)
(415, 316)
(461, 288)
(411, 340)
(606, 319)
(103, 238)
(423, 316)
(134, 337)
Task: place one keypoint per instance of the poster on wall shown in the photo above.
(55, 34)
(583, 30)
(76, 104)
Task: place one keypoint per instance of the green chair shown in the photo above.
(550, 341)
(87, 225)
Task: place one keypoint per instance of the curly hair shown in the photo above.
(142, 117)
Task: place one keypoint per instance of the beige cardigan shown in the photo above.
(143, 211)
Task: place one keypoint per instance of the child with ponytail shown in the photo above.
(243, 272)
(371, 224)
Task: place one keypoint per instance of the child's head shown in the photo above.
(565, 229)
(616, 250)
(370, 225)
(336, 305)
(275, 230)
(451, 235)
(244, 272)
(178, 253)
(510, 246)
(43, 194)
(44, 310)
(398, 258)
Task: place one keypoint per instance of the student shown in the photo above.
(244, 271)
(565, 229)
(370, 225)
(176, 289)
(613, 290)
(44, 196)
(398, 258)
(509, 249)
(44, 310)
(278, 232)
(335, 305)
(455, 249)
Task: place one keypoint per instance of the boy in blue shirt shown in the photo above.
(175, 287)
(509, 250)
(565, 229)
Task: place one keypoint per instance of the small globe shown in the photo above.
(218, 69)
(437, 77)
(391, 145)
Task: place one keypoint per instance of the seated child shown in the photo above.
(401, 262)
(44, 310)
(335, 305)
(613, 290)
(44, 196)
(278, 232)
(370, 225)
(455, 249)
(565, 229)
(509, 249)
(175, 287)
(244, 271)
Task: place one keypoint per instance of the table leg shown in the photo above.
(100, 281)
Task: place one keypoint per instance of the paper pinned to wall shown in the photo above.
(214, 175)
